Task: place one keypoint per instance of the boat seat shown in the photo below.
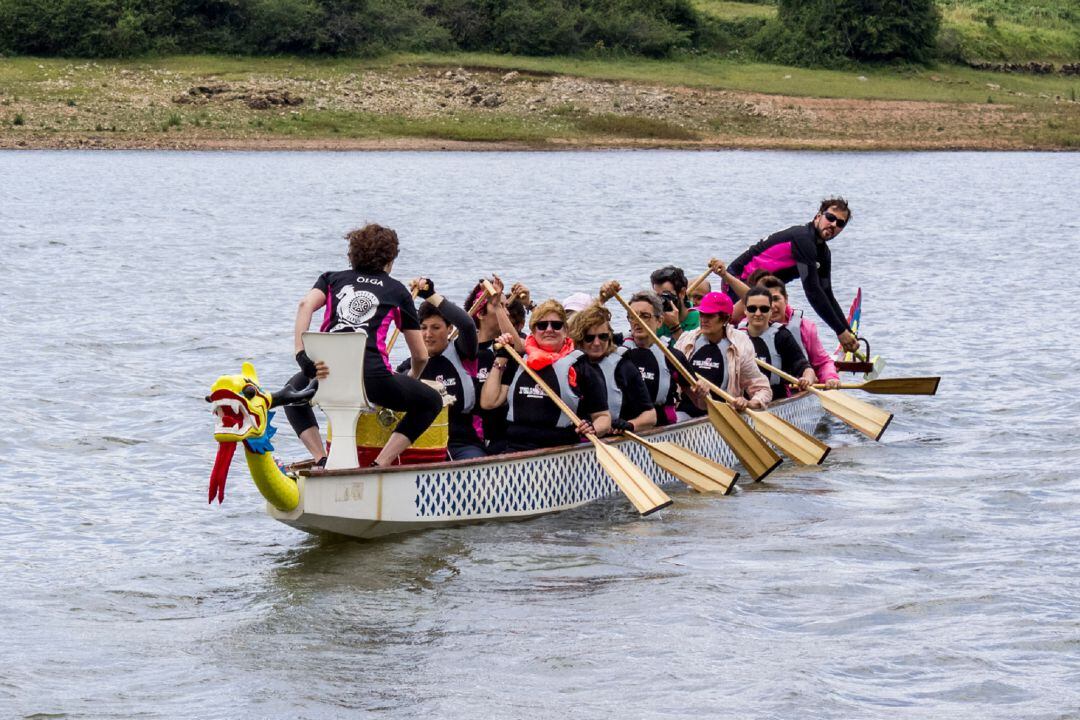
(341, 394)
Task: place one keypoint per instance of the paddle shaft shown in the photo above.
(697, 281)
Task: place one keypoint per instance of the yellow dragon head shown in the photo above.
(241, 406)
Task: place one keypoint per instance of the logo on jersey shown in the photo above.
(355, 307)
(360, 280)
(531, 391)
(447, 382)
(706, 364)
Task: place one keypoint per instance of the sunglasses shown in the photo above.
(644, 316)
(553, 324)
(758, 308)
(589, 337)
(833, 219)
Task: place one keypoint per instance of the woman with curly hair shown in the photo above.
(628, 399)
(366, 298)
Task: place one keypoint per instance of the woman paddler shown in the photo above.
(453, 364)
(365, 297)
(662, 380)
(628, 399)
(774, 343)
(534, 420)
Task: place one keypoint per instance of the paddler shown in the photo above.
(628, 399)
(725, 357)
(662, 380)
(494, 317)
(453, 365)
(774, 344)
(802, 251)
(365, 297)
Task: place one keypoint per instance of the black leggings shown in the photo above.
(420, 403)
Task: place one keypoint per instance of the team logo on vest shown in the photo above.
(447, 382)
(647, 374)
(530, 391)
(706, 364)
(355, 307)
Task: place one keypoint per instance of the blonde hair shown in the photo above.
(546, 308)
(587, 318)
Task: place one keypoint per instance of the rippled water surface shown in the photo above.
(934, 574)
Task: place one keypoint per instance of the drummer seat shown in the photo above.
(341, 394)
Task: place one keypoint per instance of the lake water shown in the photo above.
(933, 574)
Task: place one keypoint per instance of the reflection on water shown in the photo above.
(931, 574)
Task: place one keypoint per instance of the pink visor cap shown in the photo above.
(715, 302)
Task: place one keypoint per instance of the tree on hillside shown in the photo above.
(823, 31)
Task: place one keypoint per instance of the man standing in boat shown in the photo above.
(802, 251)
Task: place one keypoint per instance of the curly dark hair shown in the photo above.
(371, 248)
(835, 202)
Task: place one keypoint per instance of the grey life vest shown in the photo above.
(663, 377)
(794, 326)
(769, 338)
(614, 392)
(468, 388)
(701, 341)
(562, 379)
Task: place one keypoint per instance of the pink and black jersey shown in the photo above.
(369, 302)
(797, 252)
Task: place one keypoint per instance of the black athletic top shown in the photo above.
(797, 252)
(370, 302)
(536, 416)
(646, 362)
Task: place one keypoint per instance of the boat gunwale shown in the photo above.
(306, 469)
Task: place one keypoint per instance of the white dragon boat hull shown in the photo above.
(370, 503)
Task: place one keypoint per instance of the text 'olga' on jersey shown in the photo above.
(354, 308)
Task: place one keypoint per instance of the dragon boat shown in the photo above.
(347, 500)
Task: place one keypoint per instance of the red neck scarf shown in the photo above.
(539, 358)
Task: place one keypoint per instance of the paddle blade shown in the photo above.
(633, 483)
(801, 447)
(753, 453)
(697, 471)
(864, 417)
(902, 386)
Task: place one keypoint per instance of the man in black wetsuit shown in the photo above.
(802, 252)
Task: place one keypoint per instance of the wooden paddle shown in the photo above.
(697, 281)
(751, 450)
(639, 489)
(894, 386)
(394, 336)
(697, 471)
(489, 291)
(864, 417)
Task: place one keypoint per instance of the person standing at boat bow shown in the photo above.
(453, 365)
(724, 357)
(534, 420)
(365, 297)
(802, 251)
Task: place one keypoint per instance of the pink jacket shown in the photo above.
(744, 379)
(815, 352)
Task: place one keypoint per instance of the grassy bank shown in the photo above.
(422, 100)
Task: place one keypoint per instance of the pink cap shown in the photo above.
(715, 302)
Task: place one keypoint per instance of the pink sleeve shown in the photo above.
(815, 351)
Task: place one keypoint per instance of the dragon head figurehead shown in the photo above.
(242, 409)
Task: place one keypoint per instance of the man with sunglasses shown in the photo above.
(726, 358)
(802, 251)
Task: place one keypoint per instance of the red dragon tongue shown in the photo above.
(221, 471)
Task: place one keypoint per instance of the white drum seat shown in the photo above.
(341, 394)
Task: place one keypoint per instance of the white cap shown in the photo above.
(577, 302)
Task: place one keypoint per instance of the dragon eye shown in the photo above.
(249, 391)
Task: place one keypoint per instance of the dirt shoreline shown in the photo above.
(424, 108)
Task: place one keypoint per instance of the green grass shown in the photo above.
(468, 127)
(734, 10)
(633, 127)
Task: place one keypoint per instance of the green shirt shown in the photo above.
(692, 322)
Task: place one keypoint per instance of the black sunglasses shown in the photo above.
(758, 308)
(833, 219)
(553, 324)
(589, 337)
